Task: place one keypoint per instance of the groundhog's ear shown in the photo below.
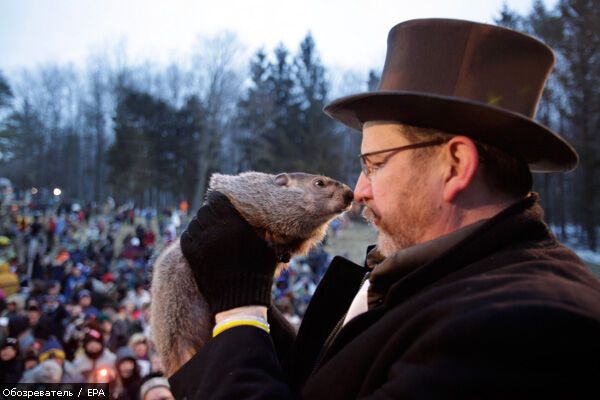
(282, 179)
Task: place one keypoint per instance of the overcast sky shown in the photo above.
(349, 33)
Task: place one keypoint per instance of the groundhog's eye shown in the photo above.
(319, 183)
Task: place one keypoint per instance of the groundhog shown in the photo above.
(290, 210)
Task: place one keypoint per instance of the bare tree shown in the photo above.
(216, 61)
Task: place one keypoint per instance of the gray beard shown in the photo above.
(385, 242)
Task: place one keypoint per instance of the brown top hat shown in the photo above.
(462, 77)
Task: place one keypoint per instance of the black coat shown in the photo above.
(11, 371)
(507, 313)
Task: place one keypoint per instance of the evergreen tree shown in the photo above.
(317, 145)
(373, 81)
(579, 74)
(255, 119)
(5, 92)
(23, 148)
(508, 18)
(190, 131)
(141, 158)
(286, 113)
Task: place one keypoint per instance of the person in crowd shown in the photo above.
(9, 281)
(11, 367)
(14, 305)
(128, 375)
(54, 289)
(467, 293)
(74, 282)
(36, 246)
(85, 302)
(74, 330)
(145, 319)
(155, 387)
(30, 360)
(105, 323)
(53, 350)
(139, 296)
(27, 338)
(48, 371)
(138, 343)
(51, 320)
(18, 327)
(95, 356)
(123, 327)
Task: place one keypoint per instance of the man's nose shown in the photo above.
(362, 191)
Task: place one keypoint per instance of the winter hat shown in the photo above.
(51, 349)
(83, 293)
(108, 277)
(93, 333)
(137, 338)
(158, 381)
(103, 317)
(11, 342)
(124, 353)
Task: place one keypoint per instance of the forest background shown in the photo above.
(152, 135)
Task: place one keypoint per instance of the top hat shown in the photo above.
(462, 77)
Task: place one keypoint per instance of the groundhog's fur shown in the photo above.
(291, 210)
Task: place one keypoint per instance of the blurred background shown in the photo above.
(114, 114)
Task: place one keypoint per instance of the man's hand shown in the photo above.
(232, 266)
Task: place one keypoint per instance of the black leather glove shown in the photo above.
(232, 266)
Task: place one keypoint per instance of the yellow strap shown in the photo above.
(240, 322)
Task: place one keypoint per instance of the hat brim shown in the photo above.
(541, 148)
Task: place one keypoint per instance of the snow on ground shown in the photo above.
(581, 249)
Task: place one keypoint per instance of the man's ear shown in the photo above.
(462, 160)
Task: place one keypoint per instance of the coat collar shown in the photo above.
(519, 225)
(391, 269)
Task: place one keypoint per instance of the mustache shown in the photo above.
(368, 214)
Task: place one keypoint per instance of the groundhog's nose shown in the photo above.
(348, 196)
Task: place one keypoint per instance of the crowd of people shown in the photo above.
(75, 300)
(74, 296)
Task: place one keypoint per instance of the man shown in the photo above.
(11, 367)
(467, 293)
(95, 356)
(53, 350)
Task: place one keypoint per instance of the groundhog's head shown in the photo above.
(293, 209)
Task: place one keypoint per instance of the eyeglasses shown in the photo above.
(370, 168)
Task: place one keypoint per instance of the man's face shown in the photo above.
(403, 196)
(93, 346)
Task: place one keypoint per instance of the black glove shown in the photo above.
(232, 266)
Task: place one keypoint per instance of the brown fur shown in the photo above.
(292, 211)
